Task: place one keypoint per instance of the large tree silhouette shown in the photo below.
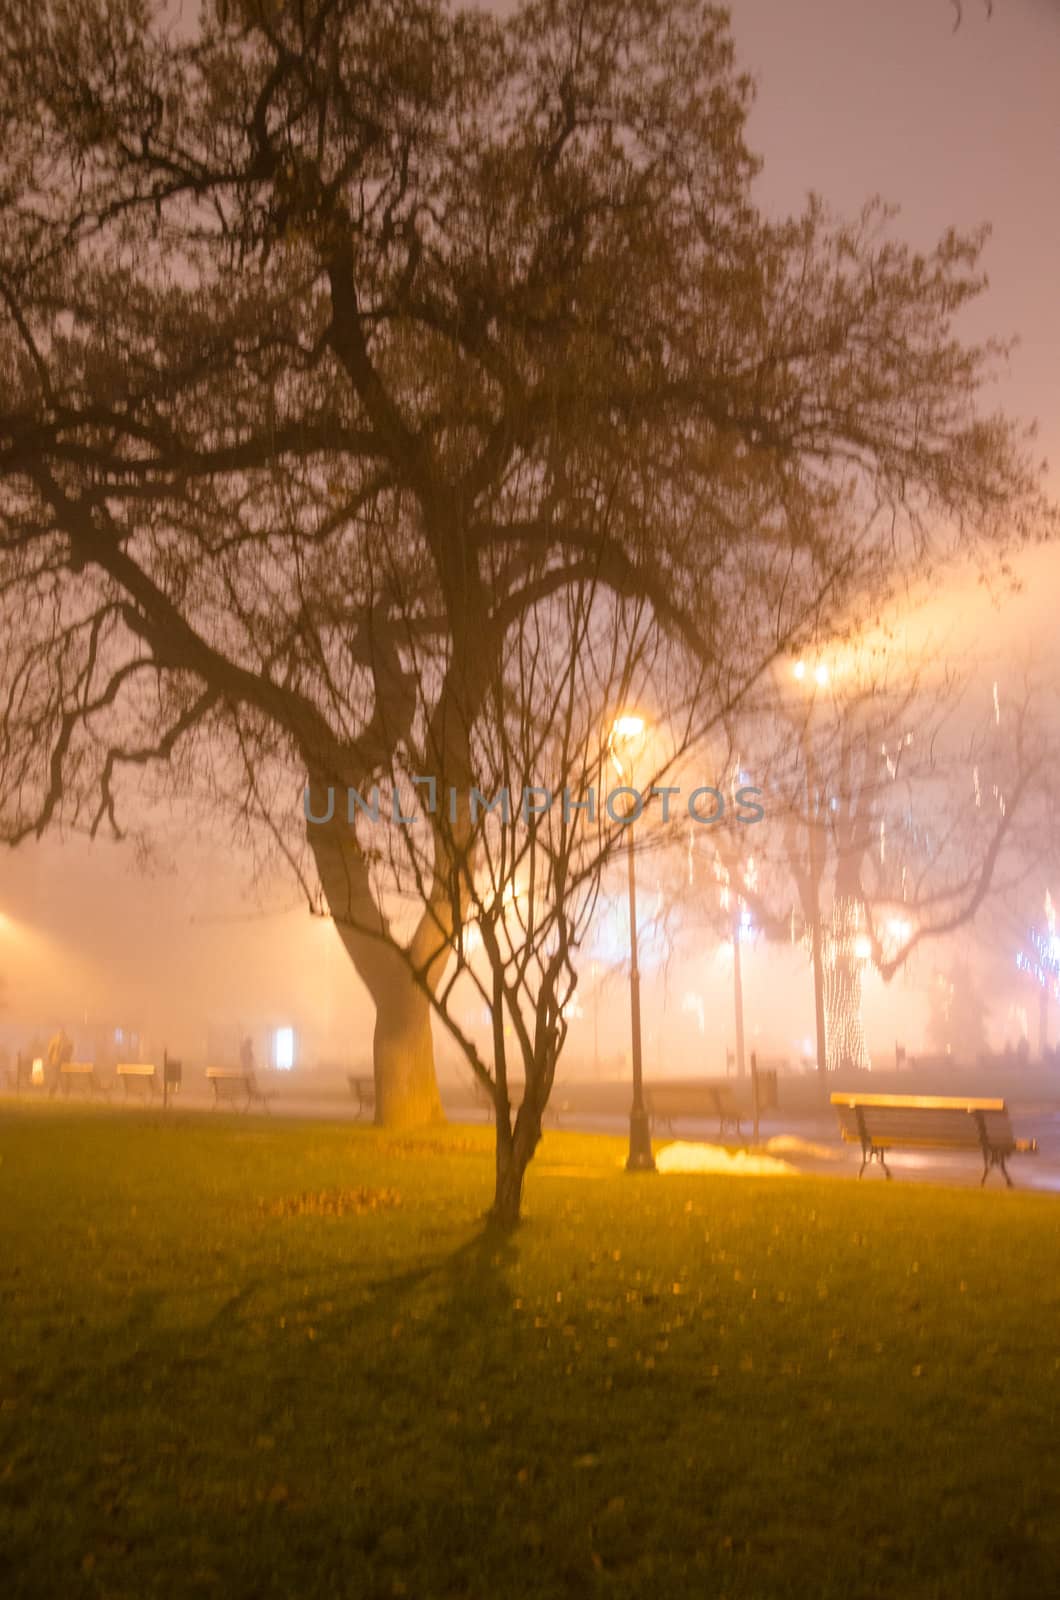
(337, 330)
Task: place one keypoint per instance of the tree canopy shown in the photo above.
(337, 336)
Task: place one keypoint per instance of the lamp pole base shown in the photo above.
(640, 1158)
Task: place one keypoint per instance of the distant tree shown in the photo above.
(906, 810)
(336, 331)
(956, 1024)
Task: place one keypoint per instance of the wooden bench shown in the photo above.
(232, 1084)
(774, 1064)
(551, 1117)
(882, 1122)
(73, 1074)
(554, 1113)
(363, 1090)
(482, 1097)
(679, 1101)
(138, 1078)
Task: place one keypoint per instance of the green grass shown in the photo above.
(211, 1385)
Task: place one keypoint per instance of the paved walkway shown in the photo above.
(810, 1143)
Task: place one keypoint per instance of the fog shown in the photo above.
(192, 953)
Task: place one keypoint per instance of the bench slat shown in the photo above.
(925, 1102)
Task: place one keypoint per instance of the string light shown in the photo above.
(1043, 963)
(846, 949)
(845, 952)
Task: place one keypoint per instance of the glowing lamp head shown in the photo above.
(862, 947)
(626, 733)
(799, 670)
(820, 674)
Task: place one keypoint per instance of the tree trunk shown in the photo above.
(514, 1153)
(406, 1089)
(845, 1029)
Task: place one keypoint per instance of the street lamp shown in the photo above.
(800, 671)
(627, 734)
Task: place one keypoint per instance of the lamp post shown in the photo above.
(819, 680)
(625, 733)
(737, 984)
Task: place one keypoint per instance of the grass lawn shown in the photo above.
(242, 1357)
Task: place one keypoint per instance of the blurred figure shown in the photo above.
(246, 1055)
(60, 1051)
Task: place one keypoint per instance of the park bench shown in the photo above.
(138, 1078)
(679, 1101)
(234, 1084)
(554, 1112)
(481, 1097)
(81, 1074)
(772, 1064)
(882, 1122)
(483, 1100)
(363, 1091)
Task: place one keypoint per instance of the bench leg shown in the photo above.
(869, 1153)
(990, 1159)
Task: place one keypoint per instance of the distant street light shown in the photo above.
(626, 737)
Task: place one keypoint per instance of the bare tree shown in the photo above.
(527, 846)
(908, 805)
